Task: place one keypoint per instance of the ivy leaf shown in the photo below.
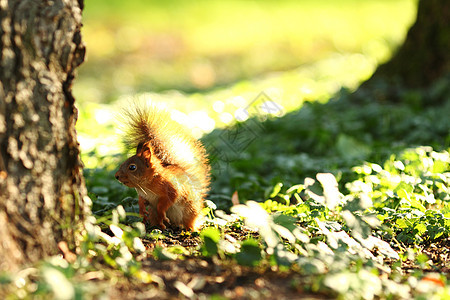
(211, 238)
(250, 254)
(330, 189)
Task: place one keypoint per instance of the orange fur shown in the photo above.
(169, 170)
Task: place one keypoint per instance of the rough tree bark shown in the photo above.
(424, 57)
(42, 193)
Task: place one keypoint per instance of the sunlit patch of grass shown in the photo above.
(202, 112)
(139, 46)
(289, 52)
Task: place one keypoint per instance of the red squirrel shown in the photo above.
(169, 170)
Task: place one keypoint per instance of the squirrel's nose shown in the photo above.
(117, 175)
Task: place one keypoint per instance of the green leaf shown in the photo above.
(330, 189)
(403, 223)
(276, 190)
(250, 254)
(417, 204)
(211, 238)
(164, 254)
(435, 231)
(440, 166)
(295, 188)
(421, 228)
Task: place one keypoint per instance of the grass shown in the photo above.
(198, 46)
(202, 112)
(208, 61)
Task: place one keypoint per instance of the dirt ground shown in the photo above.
(213, 278)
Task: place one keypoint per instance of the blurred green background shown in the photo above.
(210, 59)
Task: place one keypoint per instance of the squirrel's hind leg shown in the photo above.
(190, 224)
(164, 202)
(192, 220)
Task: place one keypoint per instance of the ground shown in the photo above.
(221, 278)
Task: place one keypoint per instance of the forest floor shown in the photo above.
(213, 278)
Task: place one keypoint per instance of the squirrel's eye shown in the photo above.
(132, 167)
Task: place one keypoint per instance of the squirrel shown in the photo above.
(169, 170)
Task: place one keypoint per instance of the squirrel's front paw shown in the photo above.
(163, 220)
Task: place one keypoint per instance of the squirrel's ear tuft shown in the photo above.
(144, 150)
(139, 148)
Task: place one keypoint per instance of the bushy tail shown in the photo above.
(170, 141)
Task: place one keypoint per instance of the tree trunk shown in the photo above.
(425, 55)
(42, 194)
